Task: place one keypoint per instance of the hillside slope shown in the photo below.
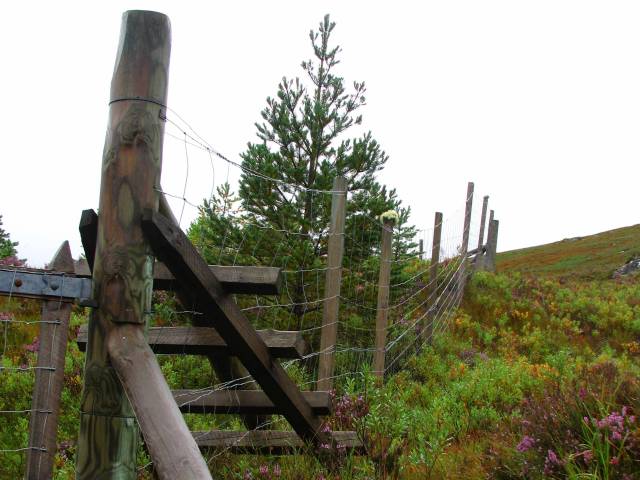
(591, 257)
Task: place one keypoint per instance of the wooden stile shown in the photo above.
(173, 247)
(47, 391)
(333, 281)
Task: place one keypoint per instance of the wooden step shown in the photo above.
(269, 441)
(254, 402)
(206, 341)
(234, 279)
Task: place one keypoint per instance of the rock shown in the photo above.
(628, 268)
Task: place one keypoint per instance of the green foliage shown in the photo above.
(7, 247)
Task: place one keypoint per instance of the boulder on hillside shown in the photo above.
(628, 268)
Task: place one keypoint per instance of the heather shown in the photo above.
(535, 377)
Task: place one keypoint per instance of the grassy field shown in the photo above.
(592, 257)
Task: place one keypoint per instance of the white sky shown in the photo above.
(538, 103)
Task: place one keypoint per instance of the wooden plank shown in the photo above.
(252, 402)
(206, 341)
(160, 420)
(173, 247)
(47, 390)
(270, 441)
(383, 298)
(123, 277)
(234, 279)
(333, 280)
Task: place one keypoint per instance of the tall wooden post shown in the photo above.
(483, 220)
(383, 297)
(479, 256)
(123, 268)
(333, 280)
(421, 249)
(464, 248)
(432, 291)
(492, 245)
(43, 425)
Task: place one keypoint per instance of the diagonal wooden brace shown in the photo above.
(173, 247)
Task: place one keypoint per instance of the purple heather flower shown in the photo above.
(587, 455)
(264, 470)
(525, 444)
(277, 471)
(616, 436)
(553, 458)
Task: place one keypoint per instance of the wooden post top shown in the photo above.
(144, 36)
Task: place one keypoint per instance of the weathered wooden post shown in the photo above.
(117, 353)
(479, 256)
(383, 293)
(483, 220)
(43, 425)
(432, 291)
(333, 281)
(462, 273)
(421, 249)
(492, 245)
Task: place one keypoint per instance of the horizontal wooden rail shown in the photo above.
(206, 341)
(234, 279)
(269, 441)
(253, 402)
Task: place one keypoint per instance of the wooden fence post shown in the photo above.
(123, 273)
(479, 256)
(462, 273)
(47, 390)
(492, 245)
(432, 291)
(421, 249)
(333, 281)
(483, 220)
(383, 297)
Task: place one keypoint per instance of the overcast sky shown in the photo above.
(538, 103)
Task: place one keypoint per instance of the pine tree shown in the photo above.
(7, 247)
(284, 210)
